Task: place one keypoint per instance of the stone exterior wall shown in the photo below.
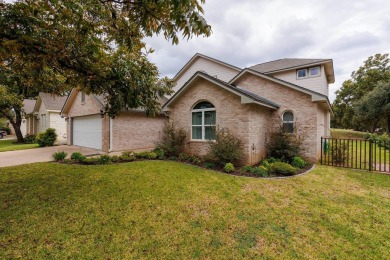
(136, 131)
(305, 111)
(230, 113)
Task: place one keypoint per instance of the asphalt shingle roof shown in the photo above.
(284, 64)
(52, 102)
(28, 105)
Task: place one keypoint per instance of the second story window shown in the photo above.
(309, 72)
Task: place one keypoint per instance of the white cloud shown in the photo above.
(247, 32)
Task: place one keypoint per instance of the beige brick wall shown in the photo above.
(305, 111)
(231, 114)
(135, 131)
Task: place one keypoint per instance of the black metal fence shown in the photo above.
(356, 153)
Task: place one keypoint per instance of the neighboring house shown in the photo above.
(250, 102)
(29, 122)
(47, 114)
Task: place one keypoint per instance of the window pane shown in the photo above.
(288, 116)
(197, 118)
(203, 105)
(288, 127)
(209, 117)
(209, 133)
(196, 132)
(301, 73)
(314, 71)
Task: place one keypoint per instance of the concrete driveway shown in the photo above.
(44, 154)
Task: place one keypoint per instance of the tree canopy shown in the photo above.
(349, 109)
(96, 46)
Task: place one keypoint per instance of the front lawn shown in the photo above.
(161, 209)
(9, 145)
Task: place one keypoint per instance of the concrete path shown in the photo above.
(44, 154)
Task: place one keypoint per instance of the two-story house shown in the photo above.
(251, 102)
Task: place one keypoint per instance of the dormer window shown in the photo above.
(309, 72)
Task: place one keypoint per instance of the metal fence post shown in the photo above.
(370, 155)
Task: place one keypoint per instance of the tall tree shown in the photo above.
(95, 45)
(376, 104)
(374, 70)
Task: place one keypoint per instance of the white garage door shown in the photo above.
(87, 131)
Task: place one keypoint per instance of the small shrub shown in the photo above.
(172, 140)
(92, 160)
(266, 165)
(298, 162)
(272, 160)
(59, 156)
(30, 139)
(160, 153)
(195, 160)
(366, 136)
(115, 159)
(128, 153)
(282, 168)
(103, 159)
(152, 155)
(259, 171)
(264, 168)
(226, 148)
(210, 165)
(183, 157)
(246, 168)
(47, 138)
(384, 140)
(339, 152)
(284, 146)
(172, 158)
(126, 157)
(78, 157)
(229, 167)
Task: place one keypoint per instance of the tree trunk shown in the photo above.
(16, 122)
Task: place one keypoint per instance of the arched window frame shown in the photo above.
(288, 125)
(203, 125)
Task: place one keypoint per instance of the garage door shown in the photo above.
(87, 131)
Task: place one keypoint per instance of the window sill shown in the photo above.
(200, 141)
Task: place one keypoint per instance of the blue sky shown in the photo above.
(248, 32)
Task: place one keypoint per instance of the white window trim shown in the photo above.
(203, 124)
(288, 122)
(308, 72)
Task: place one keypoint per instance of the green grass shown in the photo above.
(168, 210)
(345, 133)
(9, 145)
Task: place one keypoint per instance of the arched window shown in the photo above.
(203, 121)
(288, 122)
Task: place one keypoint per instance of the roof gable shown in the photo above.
(202, 56)
(314, 95)
(246, 96)
(72, 97)
(28, 106)
(292, 64)
(52, 102)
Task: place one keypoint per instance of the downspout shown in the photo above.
(110, 132)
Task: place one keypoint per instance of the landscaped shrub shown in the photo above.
(172, 140)
(103, 159)
(210, 165)
(271, 160)
(298, 162)
(257, 171)
(195, 160)
(226, 147)
(127, 157)
(115, 159)
(78, 157)
(92, 160)
(146, 155)
(172, 158)
(229, 167)
(59, 156)
(160, 153)
(266, 165)
(284, 146)
(384, 140)
(47, 138)
(30, 139)
(183, 157)
(152, 155)
(283, 168)
(339, 151)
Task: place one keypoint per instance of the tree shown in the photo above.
(363, 81)
(96, 46)
(376, 104)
